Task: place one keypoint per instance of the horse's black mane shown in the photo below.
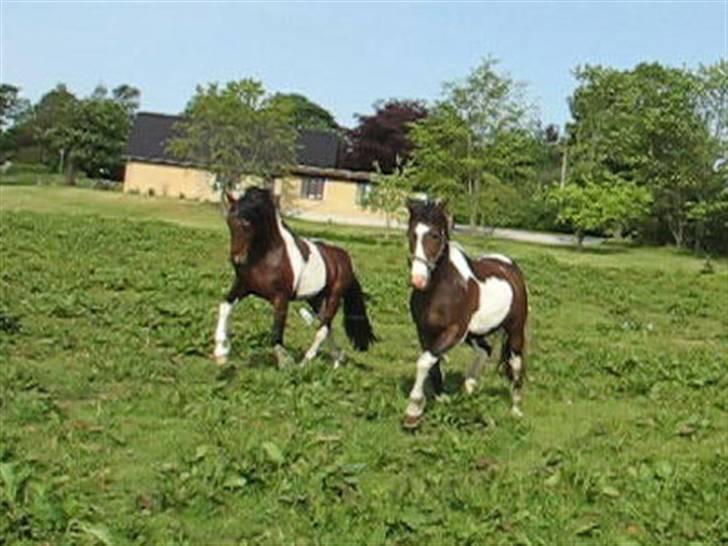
(429, 211)
(257, 207)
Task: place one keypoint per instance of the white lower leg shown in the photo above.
(222, 347)
(321, 335)
(336, 351)
(417, 395)
(476, 368)
(516, 364)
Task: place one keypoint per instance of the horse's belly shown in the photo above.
(495, 299)
(313, 273)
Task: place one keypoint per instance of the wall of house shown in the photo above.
(339, 203)
(169, 181)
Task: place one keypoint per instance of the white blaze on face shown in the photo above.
(420, 273)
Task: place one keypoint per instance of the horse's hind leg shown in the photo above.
(326, 313)
(222, 344)
(514, 356)
(482, 351)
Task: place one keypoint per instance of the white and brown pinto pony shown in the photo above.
(457, 299)
(273, 263)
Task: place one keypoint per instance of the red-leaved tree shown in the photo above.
(383, 136)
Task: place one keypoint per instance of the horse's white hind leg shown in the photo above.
(222, 345)
(321, 334)
(336, 351)
(515, 361)
(476, 368)
(416, 406)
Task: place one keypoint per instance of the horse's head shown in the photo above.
(247, 216)
(428, 234)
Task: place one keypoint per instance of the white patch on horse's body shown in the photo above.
(309, 276)
(313, 277)
(457, 259)
(499, 257)
(495, 295)
(419, 266)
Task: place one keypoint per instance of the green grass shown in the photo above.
(118, 429)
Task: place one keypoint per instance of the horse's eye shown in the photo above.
(436, 236)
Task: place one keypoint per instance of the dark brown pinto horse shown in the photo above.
(456, 299)
(271, 262)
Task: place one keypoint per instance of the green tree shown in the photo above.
(643, 125)
(607, 205)
(389, 192)
(491, 104)
(471, 138)
(128, 97)
(97, 137)
(303, 113)
(52, 119)
(14, 112)
(232, 131)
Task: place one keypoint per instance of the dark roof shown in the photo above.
(151, 132)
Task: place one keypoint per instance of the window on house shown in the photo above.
(312, 188)
(362, 192)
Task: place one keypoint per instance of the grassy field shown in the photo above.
(118, 429)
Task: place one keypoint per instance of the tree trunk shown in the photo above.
(564, 159)
(580, 239)
(71, 173)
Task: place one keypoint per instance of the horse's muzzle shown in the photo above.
(239, 259)
(419, 281)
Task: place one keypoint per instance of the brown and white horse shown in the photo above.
(273, 263)
(457, 299)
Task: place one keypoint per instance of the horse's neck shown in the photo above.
(269, 241)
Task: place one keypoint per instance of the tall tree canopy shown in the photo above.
(233, 131)
(383, 137)
(478, 137)
(303, 113)
(645, 126)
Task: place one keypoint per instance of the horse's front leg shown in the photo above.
(280, 313)
(222, 344)
(425, 362)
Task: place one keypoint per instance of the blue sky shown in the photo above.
(344, 56)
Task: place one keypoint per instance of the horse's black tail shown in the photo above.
(356, 323)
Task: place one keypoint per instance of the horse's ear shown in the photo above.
(441, 204)
(228, 199)
(413, 205)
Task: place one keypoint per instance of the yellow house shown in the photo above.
(316, 189)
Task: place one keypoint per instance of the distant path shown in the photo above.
(523, 235)
(527, 236)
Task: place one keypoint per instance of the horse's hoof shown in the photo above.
(516, 412)
(283, 359)
(411, 422)
(220, 360)
(469, 385)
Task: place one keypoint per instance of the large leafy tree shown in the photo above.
(605, 205)
(303, 113)
(233, 131)
(14, 112)
(52, 121)
(643, 125)
(476, 139)
(97, 137)
(383, 137)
